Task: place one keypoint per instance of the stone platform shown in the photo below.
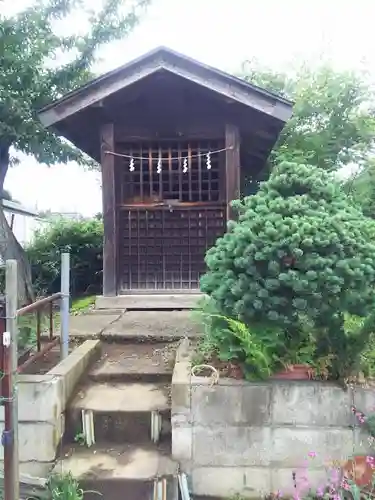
(133, 325)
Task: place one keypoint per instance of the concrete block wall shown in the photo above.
(42, 401)
(249, 438)
(40, 415)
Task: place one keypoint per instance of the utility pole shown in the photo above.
(10, 395)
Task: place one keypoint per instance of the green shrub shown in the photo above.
(83, 239)
(261, 350)
(299, 253)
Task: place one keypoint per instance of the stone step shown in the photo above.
(138, 361)
(122, 412)
(119, 325)
(120, 472)
(153, 325)
(169, 301)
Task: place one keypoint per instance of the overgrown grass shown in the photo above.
(82, 305)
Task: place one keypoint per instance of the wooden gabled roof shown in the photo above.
(163, 59)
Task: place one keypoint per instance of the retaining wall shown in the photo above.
(42, 401)
(249, 438)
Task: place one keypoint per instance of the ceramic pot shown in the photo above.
(295, 372)
(235, 371)
(359, 469)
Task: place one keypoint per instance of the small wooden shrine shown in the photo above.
(174, 138)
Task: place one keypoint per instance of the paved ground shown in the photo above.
(135, 324)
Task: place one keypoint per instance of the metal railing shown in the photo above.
(38, 307)
(10, 363)
(43, 332)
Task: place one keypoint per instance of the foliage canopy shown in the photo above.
(83, 239)
(333, 121)
(39, 65)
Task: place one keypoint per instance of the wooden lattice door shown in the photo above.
(168, 217)
(164, 249)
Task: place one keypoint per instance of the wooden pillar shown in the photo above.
(109, 212)
(232, 166)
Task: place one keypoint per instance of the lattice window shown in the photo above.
(170, 170)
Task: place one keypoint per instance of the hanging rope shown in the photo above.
(214, 377)
(143, 158)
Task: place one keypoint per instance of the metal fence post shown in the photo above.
(10, 340)
(64, 311)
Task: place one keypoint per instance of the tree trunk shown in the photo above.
(9, 246)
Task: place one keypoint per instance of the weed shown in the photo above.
(80, 438)
(62, 487)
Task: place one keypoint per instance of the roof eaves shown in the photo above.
(165, 54)
(103, 78)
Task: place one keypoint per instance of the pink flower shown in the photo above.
(312, 454)
(371, 461)
(345, 485)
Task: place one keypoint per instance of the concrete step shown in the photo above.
(121, 472)
(137, 361)
(122, 412)
(153, 325)
(168, 301)
(120, 325)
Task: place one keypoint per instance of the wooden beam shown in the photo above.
(109, 212)
(154, 132)
(232, 166)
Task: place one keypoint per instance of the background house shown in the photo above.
(23, 221)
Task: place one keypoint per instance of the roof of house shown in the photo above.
(230, 87)
(16, 208)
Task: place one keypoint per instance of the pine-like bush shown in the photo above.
(300, 249)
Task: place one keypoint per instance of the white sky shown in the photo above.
(221, 33)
